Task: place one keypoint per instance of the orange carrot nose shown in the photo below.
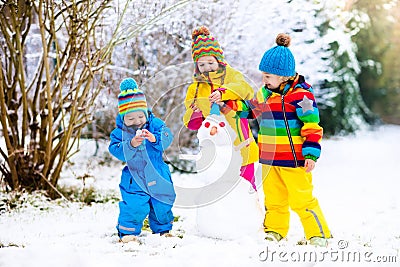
(213, 130)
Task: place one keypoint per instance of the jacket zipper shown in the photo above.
(288, 131)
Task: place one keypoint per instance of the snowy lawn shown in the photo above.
(356, 181)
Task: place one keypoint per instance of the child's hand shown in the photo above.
(137, 140)
(194, 108)
(309, 165)
(148, 135)
(215, 96)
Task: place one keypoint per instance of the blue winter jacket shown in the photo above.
(144, 164)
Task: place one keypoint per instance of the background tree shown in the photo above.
(390, 72)
(53, 60)
(46, 99)
(344, 110)
(378, 47)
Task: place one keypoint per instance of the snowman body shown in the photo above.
(227, 207)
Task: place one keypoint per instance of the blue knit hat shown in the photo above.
(279, 60)
(131, 99)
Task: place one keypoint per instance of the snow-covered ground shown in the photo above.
(356, 181)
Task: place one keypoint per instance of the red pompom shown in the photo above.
(202, 30)
(207, 124)
(222, 124)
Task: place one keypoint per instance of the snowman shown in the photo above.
(227, 207)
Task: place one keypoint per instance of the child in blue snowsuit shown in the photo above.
(146, 186)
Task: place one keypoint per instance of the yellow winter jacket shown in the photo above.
(236, 89)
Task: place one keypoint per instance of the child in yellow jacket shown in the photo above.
(215, 81)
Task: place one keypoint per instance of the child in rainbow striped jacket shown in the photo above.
(289, 143)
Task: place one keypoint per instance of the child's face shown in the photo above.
(272, 81)
(207, 64)
(137, 118)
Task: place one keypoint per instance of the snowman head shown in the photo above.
(216, 129)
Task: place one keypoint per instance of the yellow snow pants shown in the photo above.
(291, 187)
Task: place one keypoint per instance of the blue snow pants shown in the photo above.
(137, 204)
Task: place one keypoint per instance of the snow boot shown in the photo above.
(273, 236)
(166, 234)
(318, 241)
(129, 238)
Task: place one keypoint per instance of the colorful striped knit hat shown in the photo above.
(131, 99)
(204, 44)
(279, 59)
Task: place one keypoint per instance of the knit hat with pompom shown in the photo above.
(131, 99)
(279, 60)
(203, 44)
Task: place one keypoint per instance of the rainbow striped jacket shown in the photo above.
(289, 130)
